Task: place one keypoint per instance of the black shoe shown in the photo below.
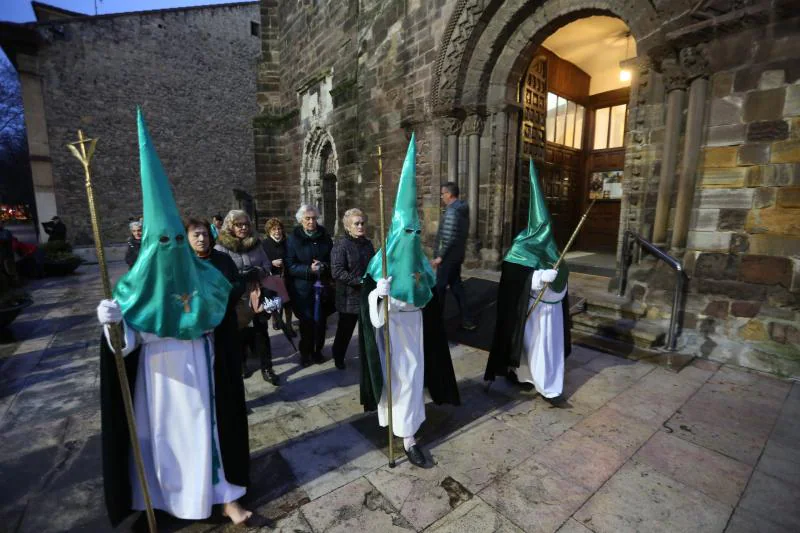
(290, 331)
(416, 456)
(275, 324)
(318, 359)
(339, 364)
(468, 326)
(269, 375)
(305, 361)
(512, 378)
(558, 401)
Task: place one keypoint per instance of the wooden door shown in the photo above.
(600, 233)
(533, 97)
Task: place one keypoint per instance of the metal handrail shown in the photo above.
(629, 239)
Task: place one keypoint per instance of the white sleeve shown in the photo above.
(376, 315)
(536, 281)
(129, 338)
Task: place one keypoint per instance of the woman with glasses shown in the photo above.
(349, 258)
(308, 261)
(236, 239)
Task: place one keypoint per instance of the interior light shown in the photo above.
(625, 74)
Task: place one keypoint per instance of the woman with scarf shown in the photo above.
(237, 240)
(308, 260)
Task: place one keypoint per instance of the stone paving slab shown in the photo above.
(474, 516)
(421, 496)
(774, 499)
(506, 460)
(638, 498)
(713, 474)
(536, 498)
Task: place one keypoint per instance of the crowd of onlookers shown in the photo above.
(301, 272)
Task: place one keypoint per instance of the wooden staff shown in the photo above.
(560, 258)
(83, 155)
(386, 345)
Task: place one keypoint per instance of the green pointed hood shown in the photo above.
(535, 246)
(169, 291)
(412, 276)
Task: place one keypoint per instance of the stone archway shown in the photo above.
(486, 49)
(318, 183)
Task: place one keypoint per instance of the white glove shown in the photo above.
(272, 305)
(109, 312)
(384, 286)
(549, 276)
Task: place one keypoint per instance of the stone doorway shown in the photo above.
(471, 86)
(573, 123)
(319, 185)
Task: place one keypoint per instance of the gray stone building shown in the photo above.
(698, 152)
(193, 72)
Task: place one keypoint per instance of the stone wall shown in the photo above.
(743, 248)
(377, 58)
(192, 71)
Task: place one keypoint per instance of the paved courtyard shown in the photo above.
(710, 449)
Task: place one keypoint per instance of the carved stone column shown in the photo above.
(675, 85)
(695, 65)
(472, 128)
(450, 127)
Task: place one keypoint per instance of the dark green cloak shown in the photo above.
(440, 378)
(513, 302)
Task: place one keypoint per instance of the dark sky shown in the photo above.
(21, 10)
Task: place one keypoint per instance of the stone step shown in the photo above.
(640, 333)
(602, 302)
(674, 361)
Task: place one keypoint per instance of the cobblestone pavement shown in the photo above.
(712, 448)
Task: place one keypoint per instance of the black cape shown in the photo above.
(440, 379)
(230, 408)
(513, 298)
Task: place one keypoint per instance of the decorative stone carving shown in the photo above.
(456, 36)
(473, 125)
(450, 125)
(674, 76)
(694, 60)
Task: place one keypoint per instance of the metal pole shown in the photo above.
(626, 258)
(115, 332)
(677, 302)
(386, 345)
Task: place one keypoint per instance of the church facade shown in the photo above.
(698, 152)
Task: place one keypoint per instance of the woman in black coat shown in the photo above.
(308, 259)
(274, 243)
(349, 259)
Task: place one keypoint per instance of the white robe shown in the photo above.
(172, 406)
(408, 364)
(542, 358)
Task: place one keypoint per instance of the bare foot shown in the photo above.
(236, 512)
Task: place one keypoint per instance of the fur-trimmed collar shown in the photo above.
(235, 245)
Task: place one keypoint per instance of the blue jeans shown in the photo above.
(449, 274)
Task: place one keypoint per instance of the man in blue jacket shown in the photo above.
(449, 251)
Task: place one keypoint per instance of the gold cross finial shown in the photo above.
(79, 150)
